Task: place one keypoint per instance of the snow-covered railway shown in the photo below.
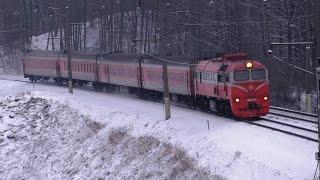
(291, 114)
(289, 127)
(296, 123)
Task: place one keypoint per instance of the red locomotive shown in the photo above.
(230, 84)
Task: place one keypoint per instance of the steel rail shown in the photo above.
(293, 111)
(289, 125)
(294, 117)
(282, 131)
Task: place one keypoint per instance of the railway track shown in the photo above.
(295, 123)
(310, 134)
(296, 115)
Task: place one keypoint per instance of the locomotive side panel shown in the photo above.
(210, 81)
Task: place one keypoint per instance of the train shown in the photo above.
(230, 84)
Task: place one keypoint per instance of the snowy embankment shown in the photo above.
(47, 133)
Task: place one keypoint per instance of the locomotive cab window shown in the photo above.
(258, 74)
(223, 77)
(241, 75)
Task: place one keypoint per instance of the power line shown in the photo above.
(8, 31)
(165, 60)
(240, 22)
(294, 66)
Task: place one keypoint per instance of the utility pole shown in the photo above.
(164, 52)
(308, 91)
(68, 46)
(166, 94)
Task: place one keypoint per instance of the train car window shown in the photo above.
(258, 74)
(241, 75)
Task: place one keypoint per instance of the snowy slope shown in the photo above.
(230, 149)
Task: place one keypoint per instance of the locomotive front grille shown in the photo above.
(253, 106)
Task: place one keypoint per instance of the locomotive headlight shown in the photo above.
(249, 64)
(237, 100)
(265, 98)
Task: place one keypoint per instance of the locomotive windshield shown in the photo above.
(241, 75)
(258, 74)
(246, 75)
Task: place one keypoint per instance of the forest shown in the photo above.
(190, 28)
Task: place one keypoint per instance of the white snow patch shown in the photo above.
(43, 139)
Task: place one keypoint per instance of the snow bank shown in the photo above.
(42, 139)
(231, 150)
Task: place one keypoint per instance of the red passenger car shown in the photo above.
(40, 65)
(83, 67)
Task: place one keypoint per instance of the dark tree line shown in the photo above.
(191, 28)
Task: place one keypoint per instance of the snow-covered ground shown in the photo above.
(47, 133)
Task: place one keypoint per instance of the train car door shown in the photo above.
(98, 68)
(223, 80)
